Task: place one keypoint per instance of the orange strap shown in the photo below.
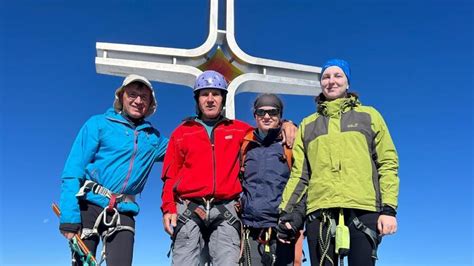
(243, 149)
(299, 249)
(288, 156)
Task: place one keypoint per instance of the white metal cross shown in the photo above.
(180, 66)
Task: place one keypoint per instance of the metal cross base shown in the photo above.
(180, 66)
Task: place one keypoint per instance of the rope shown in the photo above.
(86, 259)
(247, 255)
(325, 243)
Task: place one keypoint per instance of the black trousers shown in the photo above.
(360, 253)
(119, 246)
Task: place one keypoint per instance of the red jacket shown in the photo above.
(197, 166)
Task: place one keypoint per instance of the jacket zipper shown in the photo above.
(211, 140)
(132, 160)
(213, 161)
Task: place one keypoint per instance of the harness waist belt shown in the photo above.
(90, 185)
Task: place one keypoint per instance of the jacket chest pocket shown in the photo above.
(192, 143)
(147, 140)
(228, 140)
(116, 141)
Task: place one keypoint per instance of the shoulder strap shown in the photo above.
(288, 156)
(299, 256)
(243, 149)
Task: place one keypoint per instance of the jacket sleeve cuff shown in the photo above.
(388, 210)
(169, 208)
(68, 227)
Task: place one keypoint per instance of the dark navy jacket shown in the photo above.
(265, 176)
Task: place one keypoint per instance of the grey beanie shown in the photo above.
(268, 99)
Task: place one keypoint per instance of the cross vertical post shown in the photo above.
(182, 66)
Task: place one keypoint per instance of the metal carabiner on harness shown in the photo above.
(208, 206)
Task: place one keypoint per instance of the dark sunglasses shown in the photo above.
(270, 112)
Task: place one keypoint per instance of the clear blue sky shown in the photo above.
(412, 60)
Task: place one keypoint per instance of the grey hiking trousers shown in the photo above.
(224, 241)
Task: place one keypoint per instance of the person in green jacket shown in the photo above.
(346, 164)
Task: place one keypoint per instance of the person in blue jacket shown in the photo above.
(107, 167)
(266, 169)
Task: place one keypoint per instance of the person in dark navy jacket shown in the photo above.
(265, 173)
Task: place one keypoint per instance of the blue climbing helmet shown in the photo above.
(210, 79)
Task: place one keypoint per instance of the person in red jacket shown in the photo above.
(201, 178)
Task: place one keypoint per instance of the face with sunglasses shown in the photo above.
(267, 117)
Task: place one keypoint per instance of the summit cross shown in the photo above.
(244, 72)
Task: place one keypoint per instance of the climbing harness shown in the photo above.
(375, 239)
(201, 216)
(341, 234)
(114, 225)
(114, 198)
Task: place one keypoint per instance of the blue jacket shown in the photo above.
(112, 152)
(265, 176)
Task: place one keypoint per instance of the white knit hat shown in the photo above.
(128, 80)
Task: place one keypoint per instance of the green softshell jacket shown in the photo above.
(344, 157)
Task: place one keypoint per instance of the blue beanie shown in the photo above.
(339, 63)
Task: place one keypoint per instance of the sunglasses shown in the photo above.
(270, 112)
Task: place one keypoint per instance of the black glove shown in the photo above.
(296, 219)
(70, 227)
(296, 222)
(284, 233)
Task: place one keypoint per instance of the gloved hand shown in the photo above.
(285, 234)
(288, 225)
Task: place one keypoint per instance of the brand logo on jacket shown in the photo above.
(352, 125)
(228, 137)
